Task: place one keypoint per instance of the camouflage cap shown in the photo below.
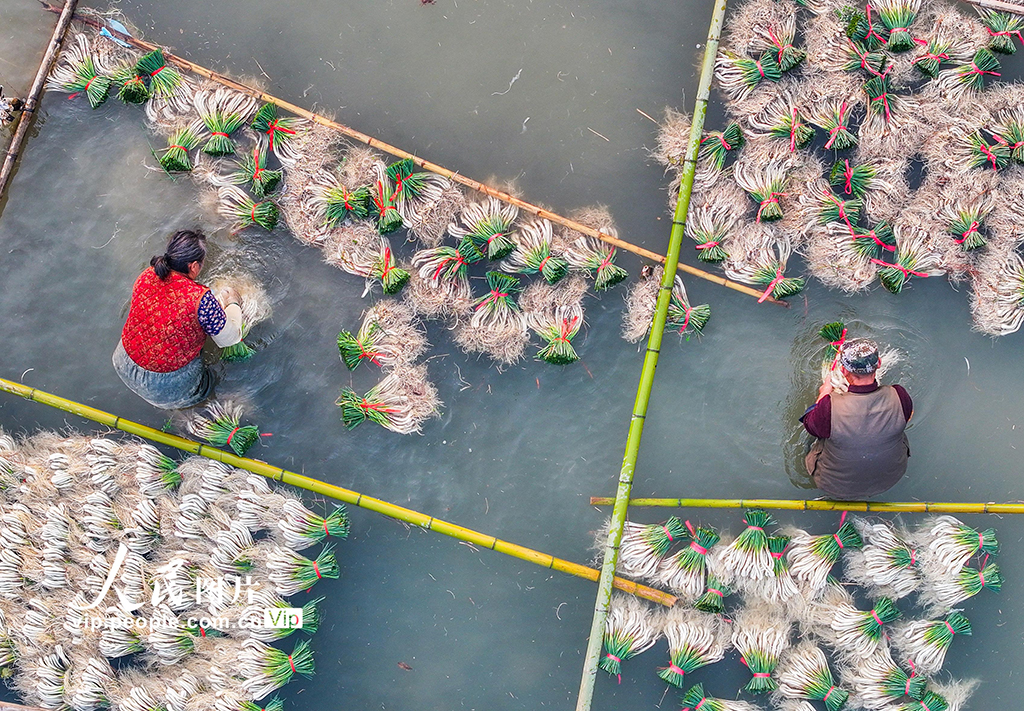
(860, 356)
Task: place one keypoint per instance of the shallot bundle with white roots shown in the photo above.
(945, 544)
(760, 635)
(886, 565)
(629, 630)
(401, 402)
(878, 682)
(925, 642)
(748, 558)
(694, 640)
(804, 674)
(643, 546)
(684, 572)
(811, 558)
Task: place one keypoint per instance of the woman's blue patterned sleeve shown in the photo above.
(211, 316)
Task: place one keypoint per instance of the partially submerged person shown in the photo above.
(169, 318)
(862, 449)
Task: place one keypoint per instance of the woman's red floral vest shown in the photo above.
(162, 332)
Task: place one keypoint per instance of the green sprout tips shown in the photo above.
(880, 97)
(131, 89)
(604, 270)
(776, 285)
(222, 427)
(828, 547)
(995, 155)
(341, 203)
(221, 125)
(238, 352)
(275, 704)
(791, 127)
(558, 349)
(681, 316)
(865, 29)
(965, 229)
(859, 57)
(382, 208)
(280, 130)
(835, 334)
(972, 76)
(880, 239)
(502, 287)
(164, 80)
(898, 16)
(408, 185)
(253, 172)
(1002, 28)
(175, 158)
(354, 348)
(491, 237)
(713, 599)
(935, 54)
(392, 278)
(77, 74)
(717, 145)
(851, 181)
(835, 121)
(834, 209)
(247, 212)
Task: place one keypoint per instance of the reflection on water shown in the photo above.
(913, 357)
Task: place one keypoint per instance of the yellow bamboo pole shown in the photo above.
(824, 505)
(330, 490)
(32, 102)
(425, 164)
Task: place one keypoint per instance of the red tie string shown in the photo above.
(231, 434)
(607, 260)
(1005, 33)
(834, 133)
(316, 570)
(686, 320)
(326, 531)
(884, 98)
(863, 57)
(848, 174)
(253, 213)
(256, 160)
(563, 335)
(757, 63)
(928, 55)
(871, 28)
(767, 292)
(983, 147)
(218, 133)
(716, 592)
(877, 619)
(540, 268)
(372, 355)
(699, 548)
(880, 243)
(291, 663)
(772, 198)
(949, 627)
(913, 556)
(376, 407)
(495, 236)
(274, 126)
(761, 675)
(906, 272)
(975, 69)
(1002, 141)
(176, 146)
(778, 43)
(981, 578)
(493, 298)
(794, 124)
(689, 527)
(831, 688)
(673, 668)
(838, 345)
(708, 245)
(388, 266)
(840, 542)
(973, 229)
(158, 70)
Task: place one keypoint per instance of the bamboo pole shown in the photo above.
(32, 102)
(998, 5)
(425, 164)
(8, 706)
(330, 490)
(824, 505)
(643, 393)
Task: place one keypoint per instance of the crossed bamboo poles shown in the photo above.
(421, 162)
(348, 496)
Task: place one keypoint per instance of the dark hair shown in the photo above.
(183, 248)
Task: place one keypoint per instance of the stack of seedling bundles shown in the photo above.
(821, 618)
(878, 141)
(177, 540)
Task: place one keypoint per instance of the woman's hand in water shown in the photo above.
(228, 295)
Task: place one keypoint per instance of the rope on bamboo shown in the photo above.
(425, 164)
(990, 507)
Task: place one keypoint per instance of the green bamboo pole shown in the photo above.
(824, 505)
(425, 164)
(643, 393)
(330, 490)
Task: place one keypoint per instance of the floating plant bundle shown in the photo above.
(936, 52)
(339, 203)
(876, 242)
(945, 544)
(851, 56)
(778, 587)
(997, 293)
(864, 28)
(748, 557)
(710, 226)
(738, 75)
(765, 183)
(155, 472)
(713, 599)
(912, 258)
(968, 78)
(131, 88)
(643, 546)
(887, 566)
(496, 325)
(980, 152)
(266, 669)
(858, 633)
(400, 403)
(765, 266)
(925, 642)
(804, 674)
(280, 131)
(291, 573)
(175, 158)
(253, 172)
(590, 254)
(715, 146)
(556, 315)
(878, 682)
(898, 16)
(488, 225)
(246, 212)
(628, 630)
(944, 594)
(222, 111)
(694, 641)
(164, 79)
(381, 206)
(835, 209)
(533, 252)
(388, 336)
(684, 571)
(811, 558)
(76, 73)
(761, 636)
(295, 525)
(695, 698)
(681, 316)
(415, 194)
(777, 35)
(833, 117)
(963, 223)
(852, 181)
(783, 120)
(1010, 132)
(221, 426)
(1002, 28)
